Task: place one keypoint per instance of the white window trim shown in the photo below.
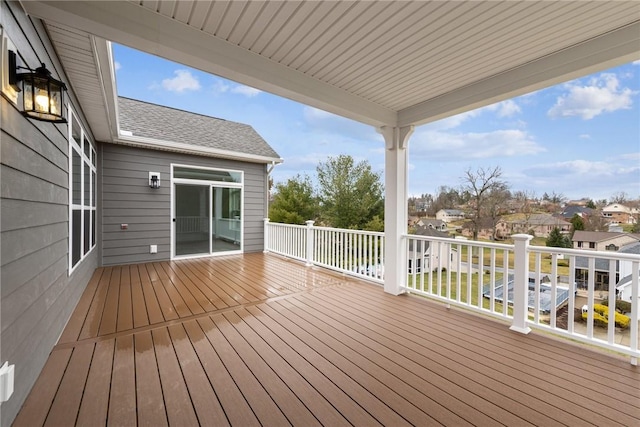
(91, 161)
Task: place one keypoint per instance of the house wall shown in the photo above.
(37, 295)
(127, 199)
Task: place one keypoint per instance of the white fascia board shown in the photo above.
(103, 56)
(157, 144)
(615, 48)
(140, 28)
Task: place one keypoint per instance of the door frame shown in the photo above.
(210, 184)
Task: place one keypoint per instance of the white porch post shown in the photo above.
(520, 283)
(395, 206)
(266, 235)
(310, 242)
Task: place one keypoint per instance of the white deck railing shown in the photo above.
(538, 283)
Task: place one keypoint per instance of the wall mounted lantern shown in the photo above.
(154, 180)
(42, 95)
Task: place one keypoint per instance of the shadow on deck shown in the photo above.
(260, 340)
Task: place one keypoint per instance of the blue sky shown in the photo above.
(578, 139)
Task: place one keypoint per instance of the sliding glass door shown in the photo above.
(207, 211)
(192, 219)
(226, 221)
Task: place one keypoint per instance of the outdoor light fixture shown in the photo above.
(154, 180)
(42, 95)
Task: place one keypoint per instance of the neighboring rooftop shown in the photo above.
(139, 119)
(599, 236)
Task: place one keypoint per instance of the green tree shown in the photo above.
(576, 223)
(591, 204)
(557, 240)
(294, 201)
(350, 193)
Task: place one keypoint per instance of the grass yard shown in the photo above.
(428, 283)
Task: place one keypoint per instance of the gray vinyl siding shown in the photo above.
(37, 294)
(127, 199)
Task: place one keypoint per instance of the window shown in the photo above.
(611, 247)
(82, 193)
(579, 244)
(592, 245)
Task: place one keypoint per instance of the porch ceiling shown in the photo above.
(379, 62)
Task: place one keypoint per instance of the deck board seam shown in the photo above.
(180, 320)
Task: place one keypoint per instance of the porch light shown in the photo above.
(42, 95)
(154, 180)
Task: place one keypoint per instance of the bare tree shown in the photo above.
(526, 200)
(480, 184)
(620, 197)
(495, 202)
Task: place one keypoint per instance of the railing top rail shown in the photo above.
(459, 241)
(586, 253)
(347, 230)
(281, 224)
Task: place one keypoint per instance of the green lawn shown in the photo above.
(464, 286)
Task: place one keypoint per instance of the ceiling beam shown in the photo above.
(615, 48)
(140, 28)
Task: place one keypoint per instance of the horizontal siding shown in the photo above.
(37, 294)
(127, 199)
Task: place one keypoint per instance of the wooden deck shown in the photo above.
(259, 340)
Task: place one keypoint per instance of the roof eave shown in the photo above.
(157, 144)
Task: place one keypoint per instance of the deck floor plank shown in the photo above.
(178, 403)
(108, 324)
(451, 373)
(531, 368)
(149, 399)
(122, 397)
(140, 315)
(36, 407)
(432, 394)
(306, 382)
(151, 302)
(95, 401)
(205, 401)
(257, 397)
(258, 339)
(285, 398)
(93, 318)
(125, 304)
(65, 407)
(234, 404)
(73, 329)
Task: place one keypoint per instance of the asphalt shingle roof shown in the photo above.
(167, 124)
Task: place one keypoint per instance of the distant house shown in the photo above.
(617, 213)
(618, 242)
(449, 215)
(436, 224)
(602, 240)
(570, 211)
(430, 255)
(540, 224)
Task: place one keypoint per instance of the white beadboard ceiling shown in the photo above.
(380, 62)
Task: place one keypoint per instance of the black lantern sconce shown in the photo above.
(42, 95)
(154, 180)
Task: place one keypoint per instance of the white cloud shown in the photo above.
(117, 65)
(183, 81)
(448, 146)
(636, 62)
(453, 121)
(506, 108)
(600, 95)
(340, 128)
(585, 136)
(220, 86)
(246, 91)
